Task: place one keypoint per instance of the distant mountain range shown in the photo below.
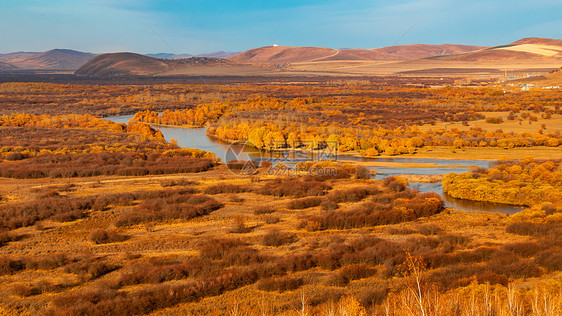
(71, 60)
(528, 48)
(283, 54)
(219, 54)
(541, 54)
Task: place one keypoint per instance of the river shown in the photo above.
(197, 138)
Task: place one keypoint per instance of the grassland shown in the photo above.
(171, 231)
(249, 217)
(486, 153)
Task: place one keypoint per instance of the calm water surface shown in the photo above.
(197, 138)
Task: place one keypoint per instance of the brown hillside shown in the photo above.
(535, 58)
(59, 59)
(122, 64)
(279, 54)
(538, 40)
(360, 54)
(56, 59)
(16, 58)
(417, 51)
(130, 64)
(493, 55)
(5, 66)
(282, 54)
(525, 49)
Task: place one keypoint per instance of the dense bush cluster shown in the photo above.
(279, 284)
(158, 270)
(89, 165)
(104, 236)
(550, 230)
(159, 296)
(277, 238)
(59, 208)
(159, 204)
(306, 186)
(351, 272)
(525, 182)
(226, 188)
(37, 152)
(354, 194)
(369, 129)
(87, 266)
(305, 202)
(168, 205)
(78, 121)
(382, 209)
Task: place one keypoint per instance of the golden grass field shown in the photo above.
(552, 125)
(427, 67)
(217, 242)
(179, 239)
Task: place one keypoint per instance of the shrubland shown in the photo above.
(526, 182)
(84, 146)
(98, 218)
(368, 119)
(362, 255)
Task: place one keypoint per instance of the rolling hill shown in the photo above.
(131, 64)
(525, 49)
(533, 56)
(7, 67)
(538, 40)
(417, 51)
(17, 57)
(122, 64)
(281, 54)
(56, 59)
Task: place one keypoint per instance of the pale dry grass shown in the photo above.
(487, 153)
(544, 50)
(180, 239)
(553, 125)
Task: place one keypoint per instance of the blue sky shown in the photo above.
(213, 25)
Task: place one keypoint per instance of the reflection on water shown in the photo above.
(119, 119)
(383, 172)
(439, 162)
(466, 205)
(197, 138)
